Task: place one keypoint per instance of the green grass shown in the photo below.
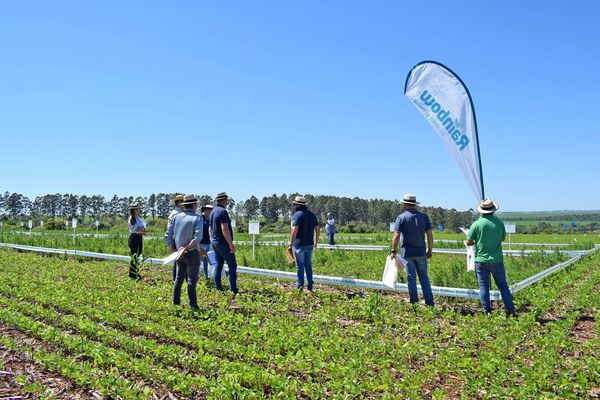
(444, 269)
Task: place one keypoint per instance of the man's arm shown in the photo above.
(227, 236)
(395, 241)
(429, 243)
(169, 236)
(317, 235)
(293, 234)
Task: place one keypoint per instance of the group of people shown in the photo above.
(198, 233)
(486, 234)
(193, 235)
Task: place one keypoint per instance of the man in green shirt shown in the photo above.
(487, 234)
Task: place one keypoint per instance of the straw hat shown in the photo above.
(410, 198)
(177, 198)
(300, 200)
(206, 207)
(135, 206)
(487, 206)
(189, 199)
(221, 196)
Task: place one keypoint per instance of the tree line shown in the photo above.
(351, 214)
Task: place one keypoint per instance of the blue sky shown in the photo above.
(262, 97)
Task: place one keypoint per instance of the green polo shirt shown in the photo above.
(488, 233)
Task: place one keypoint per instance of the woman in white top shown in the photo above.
(137, 228)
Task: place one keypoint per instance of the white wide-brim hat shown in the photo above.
(300, 200)
(487, 206)
(189, 199)
(410, 198)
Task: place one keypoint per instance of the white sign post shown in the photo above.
(22, 223)
(97, 225)
(510, 228)
(74, 225)
(41, 223)
(392, 225)
(30, 225)
(233, 224)
(253, 229)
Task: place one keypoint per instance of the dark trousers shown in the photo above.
(136, 245)
(331, 239)
(188, 268)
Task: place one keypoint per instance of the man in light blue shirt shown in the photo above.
(177, 200)
(186, 230)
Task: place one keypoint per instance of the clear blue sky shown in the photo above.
(262, 97)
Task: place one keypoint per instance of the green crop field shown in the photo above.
(87, 324)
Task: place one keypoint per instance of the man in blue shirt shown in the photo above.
(186, 231)
(412, 225)
(221, 238)
(304, 226)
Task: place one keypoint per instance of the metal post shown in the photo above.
(253, 247)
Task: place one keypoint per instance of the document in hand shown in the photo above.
(289, 254)
(173, 257)
(471, 258)
(390, 272)
(212, 258)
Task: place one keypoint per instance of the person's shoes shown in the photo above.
(195, 308)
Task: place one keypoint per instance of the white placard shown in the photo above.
(392, 226)
(41, 223)
(30, 224)
(22, 223)
(74, 223)
(233, 223)
(253, 227)
(510, 228)
(97, 223)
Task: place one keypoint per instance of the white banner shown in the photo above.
(445, 102)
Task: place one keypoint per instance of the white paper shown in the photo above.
(390, 273)
(471, 258)
(170, 259)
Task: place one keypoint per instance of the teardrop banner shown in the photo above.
(444, 100)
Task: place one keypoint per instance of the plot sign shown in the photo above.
(253, 227)
(74, 223)
(392, 225)
(510, 228)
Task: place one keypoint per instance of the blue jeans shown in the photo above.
(223, 255)
(418, 266)
(330, 237)
(188, 264)
(205, 246)
(304, 263)
(497, 270)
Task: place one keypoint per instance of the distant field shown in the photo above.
(554, 218)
